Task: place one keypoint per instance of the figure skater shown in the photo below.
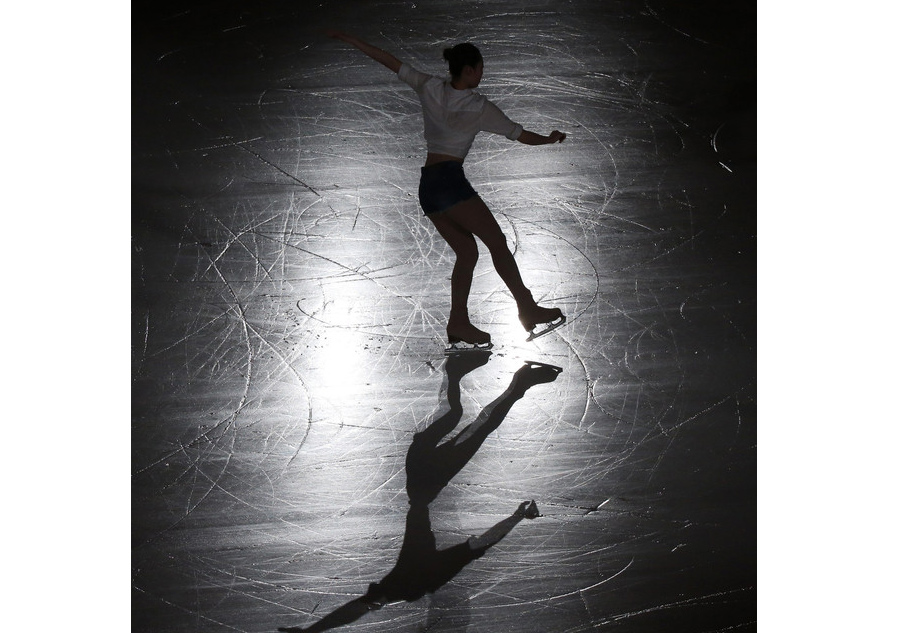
(454, 113)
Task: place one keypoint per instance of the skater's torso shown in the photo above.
(433, 158)
(453, 117)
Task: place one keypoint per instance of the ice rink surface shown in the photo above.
(297, 432)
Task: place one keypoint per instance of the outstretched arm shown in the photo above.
(374, 52)
(532, 138)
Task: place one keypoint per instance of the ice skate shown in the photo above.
(540, 321)
(467, 338)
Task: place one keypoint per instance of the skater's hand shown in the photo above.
(556, 136)
(533, 138)
(527, 509)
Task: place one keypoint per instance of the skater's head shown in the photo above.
(466, 63)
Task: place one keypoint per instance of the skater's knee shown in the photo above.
(493, 237)
(466, 254)
(496, 244)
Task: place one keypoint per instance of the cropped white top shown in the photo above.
(453, 117)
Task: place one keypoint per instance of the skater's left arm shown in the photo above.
(532, 138)
(383, 57)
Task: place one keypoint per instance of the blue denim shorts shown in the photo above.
(443, 185)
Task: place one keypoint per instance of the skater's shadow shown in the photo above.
(431, 462)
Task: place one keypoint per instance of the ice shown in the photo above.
(289, 306)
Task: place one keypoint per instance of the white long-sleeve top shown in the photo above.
(454, 117)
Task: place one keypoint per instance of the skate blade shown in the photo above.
(462, 347)
(545, 328)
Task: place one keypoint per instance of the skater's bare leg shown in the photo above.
(474, 217)
(466, 250)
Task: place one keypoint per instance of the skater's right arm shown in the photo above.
(383, 57)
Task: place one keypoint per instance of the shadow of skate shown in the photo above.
(431, 462)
